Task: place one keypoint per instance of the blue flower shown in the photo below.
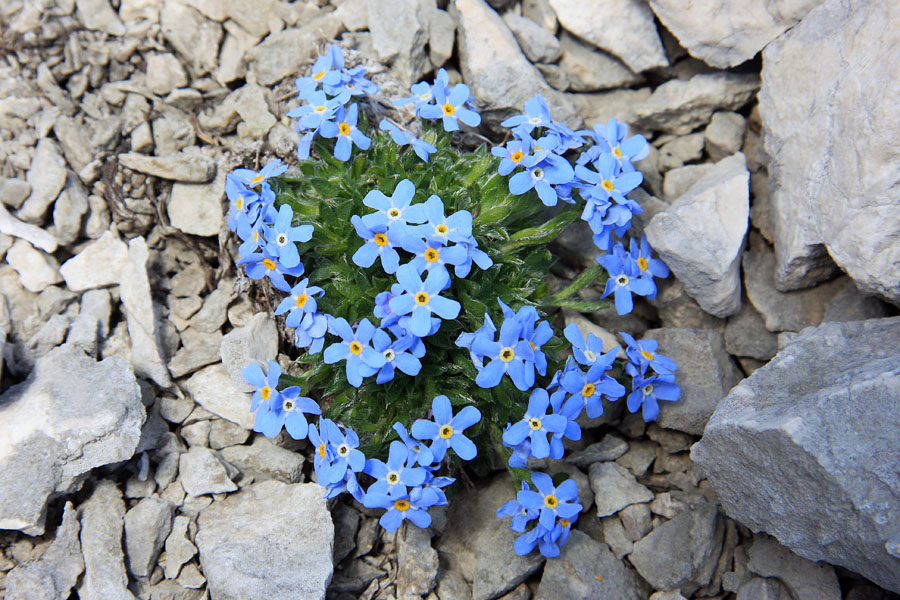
(418, 452)
(396, 211)
(420, 299)
(402, 137)
(542, 176)
(343, 453)
(551, 501)
(607, 181)
(571, 410)
(473, 254)
(624, 281)
(395, 476)
(440, 229)
(432, 255)
(319, 109)
(324, 450)
(516, 153)
(451, 108)
(380, 243)
(345, 130)
(263, 264)
(646, 392)
(590, 387)
(589, 352)
(423, 93)
(266, 385)
(537, 114)
(282, 238)
(362, 359)
(539, 536)
(511, 354)
(325, 71)
(250, 178)
(287, 412)
(536, 424)
(383, 306)
(396, 355)
(311, 332)
(648, 267)
(446, 430)
(301, 301)
(465, 340)
(353, 81)
(347, 484)
(413, 506)
(536, 334)
(642, 354)
(521, 516)
(610, 139)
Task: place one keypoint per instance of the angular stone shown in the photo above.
(705, 373)
(681, 553)
(193, 37)
(147, 526)
(102, 518)
(500, 77)
(482, 550)
(200, 349)
(55, 428)
(99, 264)
(700, 236)
(201, 472)
(54, 574)
(746, 335)
(590, 69)
(13, 192)
(264, 460)
(185, 166)
(624, 28)
(825, 210)
(600, 108)
(615, 488)
(147, 355)
(245, 553)
(179, 549)
(680, 106)
(282, 54)
(538, 44)
(679, 180)
(763, 588)
(47, 176)
(801, 448)
(69, 210)
(251, 105)
(399, 34)
(26, 231)
(164, 73)
(575, 573)
(213, 388)
(725, 134)
(417, 563)
(99, 16)
(196, 208)
(805, 579)
(255, 342)
(725, 33)
(36, 270)
(607, 449)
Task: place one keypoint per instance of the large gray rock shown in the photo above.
(54, 574)
(102, 519)
(201, 472)
(36, 270)
(588, 569)
(482, 550)
(72, 414)
(538, 44)
(622, 27)
(196, 208)
(805, 448)
(499, 75)
(700, 236)
(746, 335)
(263, 459)
(725, 33)
(147, 525)
(196, 39)
(681, 553)
(834, 174)
(680, 106)
(400, 34)
(590, 69)
(417, 563)
(272, 540)
(283, 53)
(214, 389)
(705, 373)
(32, 233)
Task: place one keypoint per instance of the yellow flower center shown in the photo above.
(355, 348)
(565, 522)
(266, 393)
(401, 505)
(448, 109)
(344, 129)
(446, 432)
(642, 263)
(516, 156)
(269, 263)
(588, 390)
(422, 298)
(590, 356)
(322, 450)
(239, 203)
(617, 152)
(431, 255)
(394, 213)
(255, 236)
(551, 501)
(381, 239)
(321, 108)
(301, 300)
(534, 423)
(607, 185)
(442, 229)
(318, 76)
(257, 180)
(507, 354)
(646, 355)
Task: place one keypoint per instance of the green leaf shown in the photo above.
(581, 306)
(586, 278)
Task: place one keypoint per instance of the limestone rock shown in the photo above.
(538, 44)
(70, 207)
(179, 549)
(147, 525)
(47, 176)
(263, 460)
(201, 472)
(802, 448)
(196, 39)
(55, 428)
(725, 134)
(36, 270)
(164, 73)
(725, 33)
(282, 54)
(805, 579)
(196, 208)
(187, 167)
(615, 488)
(417, 563)
(213, 388)
(13, 192)
(99, 16)
(700, 236)
(817, 122)
(624, 28)
(590, 69)
(251, 105)
(26, 231)
(102, 517)
(399, 34)
(255, 342)
(99, 264)
(746, 335)
(245, 553)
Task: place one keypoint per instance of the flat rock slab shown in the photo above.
(190, 168)
(102, 524)
(272, 540)
(56, 427)
(831, 133)
(615, 488)
(806, 448)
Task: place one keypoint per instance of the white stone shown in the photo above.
(98, 15)
(196, 208)
(399, 34)
(137, 303)
(47, 176)
(215, 390)
(179, 548)
(701, 235)
(36, 270)
(99, 264)
(251, 106)
(255, 342)
(164, 73)
(725, 33)
(624, 28)
(831, 132)
(102, 518)
(538, 44)
(725, 134)
(590, 69)
(196, 39)
(201, 472)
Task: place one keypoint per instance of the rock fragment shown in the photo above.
(36, 270)
(147, 525)
(187, 167)
(201, 472)
(99, 264)
(196, 208)
(47, 176)
(615, 488)
(102, 518)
